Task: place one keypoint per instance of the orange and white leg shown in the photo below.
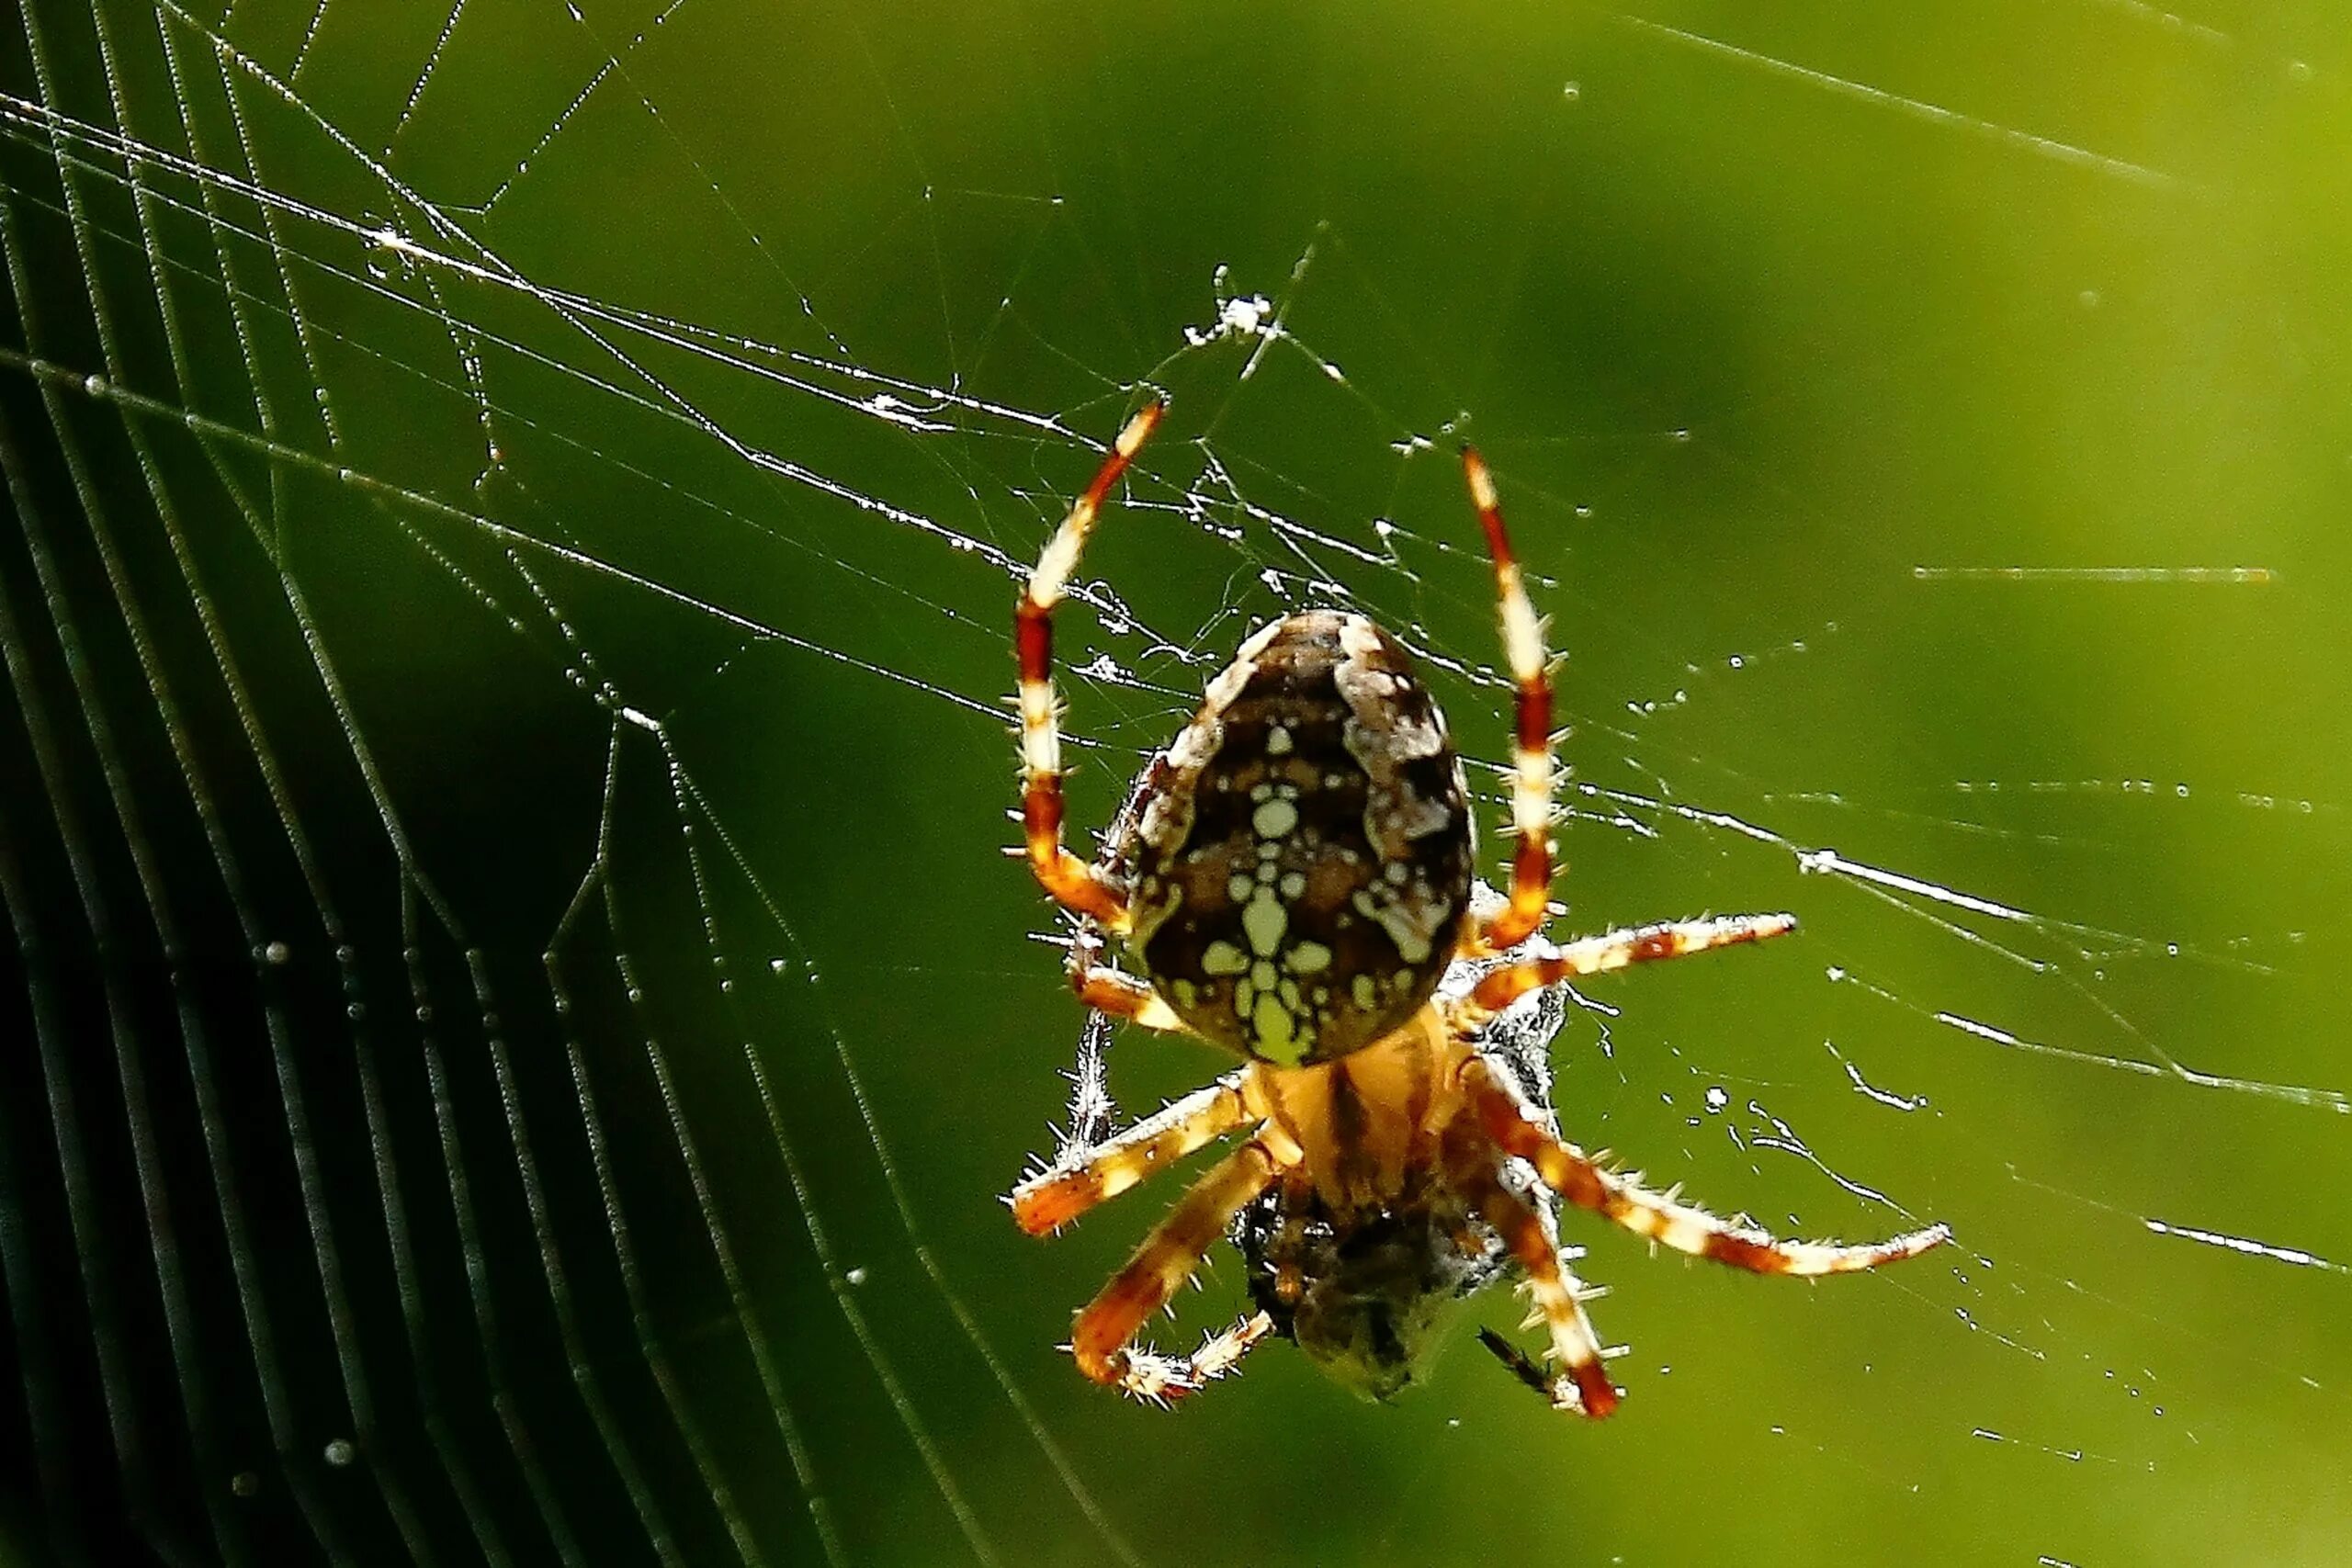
(1568, 1171)
(1531, 787)
(1115, 991)
(1122, 996)
(1102, 1337)
(1615, 949)
(1582, 1384)
(1221, 1352)
(1069, 879)
(1053, 1197)
(1161, 1379)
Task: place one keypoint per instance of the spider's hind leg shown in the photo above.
(1070, 881)
(1115, 991)
(1531, 794)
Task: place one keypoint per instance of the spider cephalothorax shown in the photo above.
(1369, 1296)
(1293, 878)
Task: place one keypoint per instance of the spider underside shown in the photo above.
(1369, 1297)
(1293, 879)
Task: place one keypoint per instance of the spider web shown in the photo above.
(518, 1021)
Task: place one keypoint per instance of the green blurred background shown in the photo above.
(521, 1019)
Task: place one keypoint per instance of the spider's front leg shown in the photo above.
(1160, 1379)
(1054, 1197)
(1102, 1338)
(1582, 1386)
(1071, 882)
(1512, 1124)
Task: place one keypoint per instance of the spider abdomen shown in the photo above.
(1300, 877)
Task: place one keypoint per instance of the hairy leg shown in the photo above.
(1161, 1379)
(1569, 1172)
(1053, 1197)
(1582, 1384)
(1115, 991)
(1530, 793)
(1102, 1339)
(1070, 881)
(1615, 949)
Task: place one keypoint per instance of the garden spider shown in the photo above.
(1294, 878)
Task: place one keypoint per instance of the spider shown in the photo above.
(1293, 879)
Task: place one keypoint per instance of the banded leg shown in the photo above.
(1615, 949)
(1122, 996)
(1115, 991)
(1569, 1172)
(1162, 1379)
(1100, 1339)
(1222, 1351)
(1070, 881)
(1053, 1197)
(1531, 789)
(1582, 1384)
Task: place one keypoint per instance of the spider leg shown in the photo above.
(1122, 996)
(1583, 1385)
(1615, 949)
(1102, 1337)
(1115, 991)
(1531, 792)
(1053, 1197)
(1222, 1351)
(1162, 1379)
(1570, 1172)
(1070, 881)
